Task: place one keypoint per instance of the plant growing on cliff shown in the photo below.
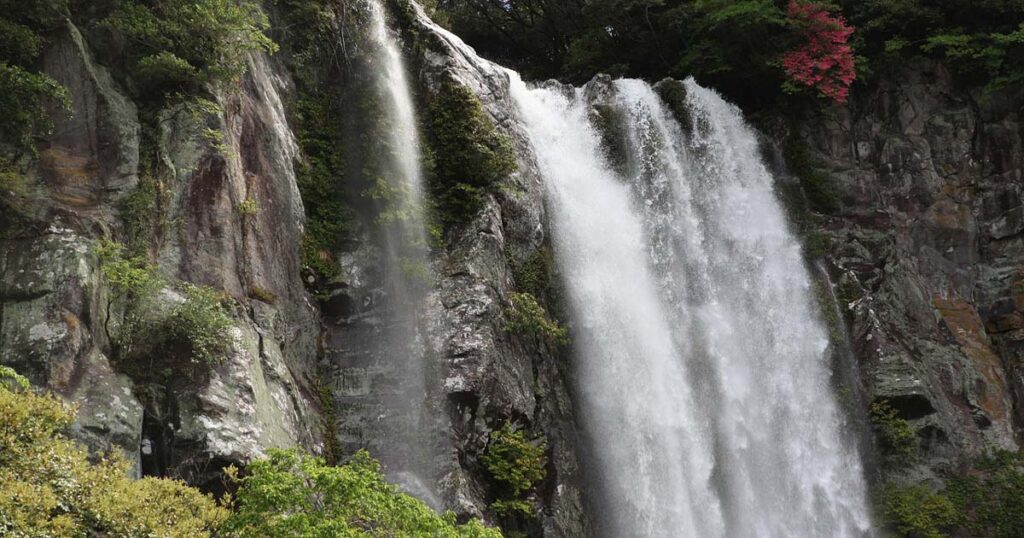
(49, 486)
(527, 316)
(991, 495)
(897, 437)
(179, 45)
(517, 464)
(919, 511)
(469, 155)
(294, 494)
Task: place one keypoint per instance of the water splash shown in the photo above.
(703, 378)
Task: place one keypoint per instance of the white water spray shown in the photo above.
(703, 379)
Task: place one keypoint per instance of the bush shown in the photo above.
(49, 487)
(293, 494)
(130, 277)
(527, 316)
(919, 511)
(470, 156)
(897, 438)
(201, 325)
(195, 332)
(517, 464)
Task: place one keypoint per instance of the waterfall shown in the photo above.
(701, 363)
(398, 348)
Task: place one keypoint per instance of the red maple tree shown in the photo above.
(824, 61)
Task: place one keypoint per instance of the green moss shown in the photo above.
(329, 414)
(262, 294)
(673, 94)
(527, 316)
(816, 244)
(897, 438)
(470, 156)
(816, 184)
(610, 123)
(517, 464)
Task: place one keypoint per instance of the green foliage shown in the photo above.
(919, 511)
(470, 156)
(329, 220)
(132, 277)
(142, 215)
(527, 316)
(991, 496)
(201, 323)
(898, 439)
(49, 487)
(24, 100)
(290, 494)
(517, 464)
(817, 244)
(533, 276)
(249, 207)
(179, 45)
(194, 332)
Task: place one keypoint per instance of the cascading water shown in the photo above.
(395, 395)
(703, 381)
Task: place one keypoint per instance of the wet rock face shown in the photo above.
(929, 246)
(58, 313)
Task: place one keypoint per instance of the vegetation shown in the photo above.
(26, 95)
(898, 439)
(988, 500)
(194, 332)
(50, 487)
(919, 511)
(517, 464)
(740, 47)
(470, 156)
(179, 45)
(527, 316)
(293, 494)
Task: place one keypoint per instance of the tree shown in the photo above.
(824, 61)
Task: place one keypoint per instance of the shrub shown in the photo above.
(527, 316)
(49, 487)
(517, 464)
(897, 437)
(919, 511)
(294, 494)
(470, 156)
(201, 324)
(131, 277)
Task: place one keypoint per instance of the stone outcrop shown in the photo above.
(927, 250)
(57, 312)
